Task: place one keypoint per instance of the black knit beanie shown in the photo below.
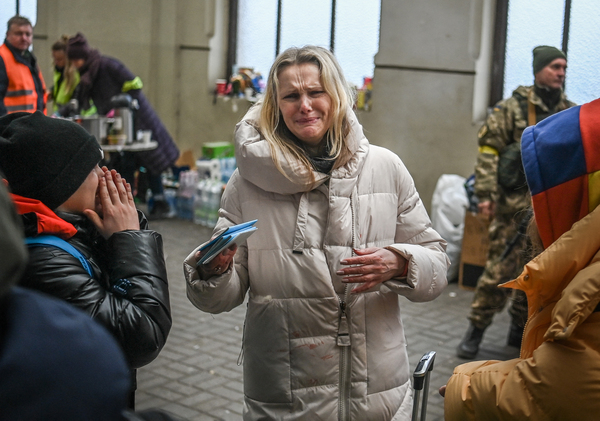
(77, 47)
(45, 158)
(543, 55)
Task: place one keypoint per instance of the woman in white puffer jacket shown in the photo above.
(341, 234)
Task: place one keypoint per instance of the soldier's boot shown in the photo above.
(515, 335)
(469, 346)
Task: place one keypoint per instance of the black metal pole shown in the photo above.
(278, 37)
(18, 7)
(232, 34)
(566, 26)
(332, 37)
(499, 51)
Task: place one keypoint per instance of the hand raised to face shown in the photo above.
(116, 205)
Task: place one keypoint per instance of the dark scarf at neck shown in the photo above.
(550, 97)
(24, 54)
(323, 162)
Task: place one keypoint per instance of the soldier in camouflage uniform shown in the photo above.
(502, 192)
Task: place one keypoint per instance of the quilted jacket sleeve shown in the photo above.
(419, 243)
(220, 293)
(557, 383)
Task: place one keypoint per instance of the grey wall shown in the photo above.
(429, 91)
(424, 86)
(177, 48)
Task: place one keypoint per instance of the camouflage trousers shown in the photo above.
(490, 299)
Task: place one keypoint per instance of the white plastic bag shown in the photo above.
(448, 207)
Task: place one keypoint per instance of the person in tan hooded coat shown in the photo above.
(334, 213)
(557, 376)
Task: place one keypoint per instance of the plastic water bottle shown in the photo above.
(199, 205)
(228, 165)
(181, 195)
(149, 200)
(171, 198)
(204, 202)
(214, 203)
(185, 194)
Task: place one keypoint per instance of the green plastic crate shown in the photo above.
(217, 150)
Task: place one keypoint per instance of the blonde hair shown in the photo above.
(536, 246)
(334, 83)
(69, 71)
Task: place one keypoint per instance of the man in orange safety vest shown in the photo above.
(22, 86)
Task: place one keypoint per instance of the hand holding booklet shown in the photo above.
(232, 235)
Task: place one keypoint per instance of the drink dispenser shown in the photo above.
(124, 107)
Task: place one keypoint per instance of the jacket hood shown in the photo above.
(47, 222)
(562, 276)
(255, 162)
(561, 158)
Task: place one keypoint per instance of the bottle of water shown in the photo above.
(216, 188)
(171, 198)
(185, 194)
(203, 202)
(183, 177)
(149, 200)
(228, 166)
(199, 206)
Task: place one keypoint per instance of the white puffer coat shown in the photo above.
(299, 363)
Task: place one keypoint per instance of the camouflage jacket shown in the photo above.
(504, 126)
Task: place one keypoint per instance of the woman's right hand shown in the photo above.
(218, 265)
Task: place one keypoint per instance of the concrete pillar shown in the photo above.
(423, 87)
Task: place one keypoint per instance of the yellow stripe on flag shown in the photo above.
(593, 190)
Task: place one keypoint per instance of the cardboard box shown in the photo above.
(186, 159)
(475, 245)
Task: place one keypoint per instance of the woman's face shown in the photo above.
(85, 196)
(60, 58)
(78, 62)
(304, 104)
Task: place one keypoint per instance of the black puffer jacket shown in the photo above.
(128, 293)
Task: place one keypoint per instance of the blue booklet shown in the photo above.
(232, 235)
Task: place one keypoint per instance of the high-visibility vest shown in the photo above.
(21, 94)
(60, 94)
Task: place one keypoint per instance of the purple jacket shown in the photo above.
(108, 82)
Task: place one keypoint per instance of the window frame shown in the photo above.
(499, 47)
(233, 33)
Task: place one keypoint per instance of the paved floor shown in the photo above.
(196, 376)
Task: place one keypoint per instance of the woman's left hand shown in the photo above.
(371, 266)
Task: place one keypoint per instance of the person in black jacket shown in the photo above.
(51, 166)
(46, 341)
